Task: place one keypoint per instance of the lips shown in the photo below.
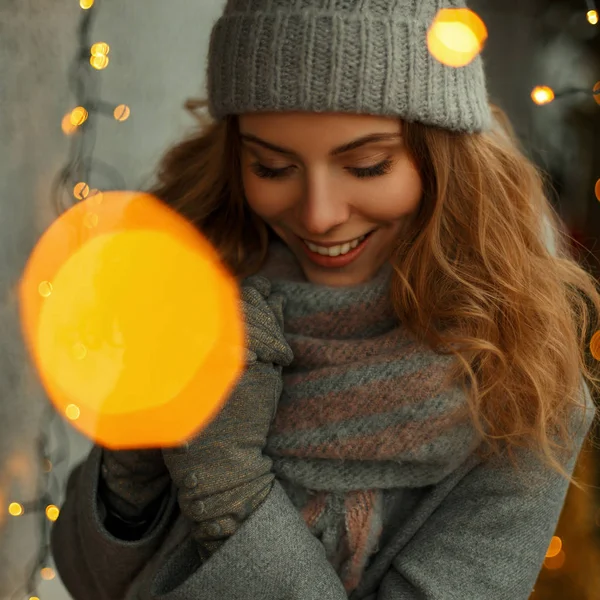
(336, 261)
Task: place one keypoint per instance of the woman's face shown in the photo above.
(323, 181)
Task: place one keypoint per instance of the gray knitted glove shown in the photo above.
(222, 474)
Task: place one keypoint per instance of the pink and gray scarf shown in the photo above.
(363, 410)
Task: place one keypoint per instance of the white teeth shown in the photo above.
(335, 250)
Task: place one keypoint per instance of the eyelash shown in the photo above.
(377, 170)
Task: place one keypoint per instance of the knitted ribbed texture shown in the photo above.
(363, 409)
(357, 56)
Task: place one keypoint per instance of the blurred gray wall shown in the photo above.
(157, 58)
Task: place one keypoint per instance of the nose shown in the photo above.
(322, 207)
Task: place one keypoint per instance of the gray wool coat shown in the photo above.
(479, 534)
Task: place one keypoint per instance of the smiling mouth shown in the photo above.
(335, 248)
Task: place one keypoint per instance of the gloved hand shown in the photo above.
(132, 484)
(222, 474)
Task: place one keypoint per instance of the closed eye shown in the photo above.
(377, 170)
(269, 173)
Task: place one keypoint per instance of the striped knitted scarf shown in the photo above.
(363, 410)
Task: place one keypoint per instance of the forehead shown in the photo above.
(314, 133)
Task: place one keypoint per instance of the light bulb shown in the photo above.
(47, 573)
(15, 509)
(81, 190)
(99, 62)
(122, 112)
(542, 94)
(72, 411)
(52, 512)
(100, 49)
(78, 116)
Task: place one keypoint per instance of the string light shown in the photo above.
(45, 289)
(52, 512)
(555, 547)
(47, 574)
(81, 190)
(99, 62)
(79, 116)
(592, 17)
(99, 55)
(122, 112)
(67, 126)
(542, 94)
(100, 49)
(77, 169)
(72, 412)
(95, 197)
(15, 509)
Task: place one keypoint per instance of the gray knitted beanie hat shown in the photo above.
(353, 56)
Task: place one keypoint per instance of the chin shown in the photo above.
(336, 278)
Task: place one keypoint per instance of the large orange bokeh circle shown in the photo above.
(132, 322)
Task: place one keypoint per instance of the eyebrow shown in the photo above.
(353, 145)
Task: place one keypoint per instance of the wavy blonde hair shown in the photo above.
(478, 276)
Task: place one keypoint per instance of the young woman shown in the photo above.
(416, 389)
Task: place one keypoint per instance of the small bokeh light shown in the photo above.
(122, 112)
(542, 94)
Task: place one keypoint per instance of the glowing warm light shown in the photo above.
(99, 62)
(122, 112)
(47, 573)
(45, 289)
(72, 412)
(79, 116)
(33, 598)
(542, 94)
(456, 36)
(90, 220)
(595, 345)
(100, 49)
(555, 547)
(142, 331)
(596, 92)
(592, 17)
(81, 190)
(67, 126)
(52, 512)
(79, 351)
(85, 4)
(95, 197)
(555, 562)
(15, 509)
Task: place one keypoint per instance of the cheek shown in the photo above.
(266, 198)
(397, 195)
